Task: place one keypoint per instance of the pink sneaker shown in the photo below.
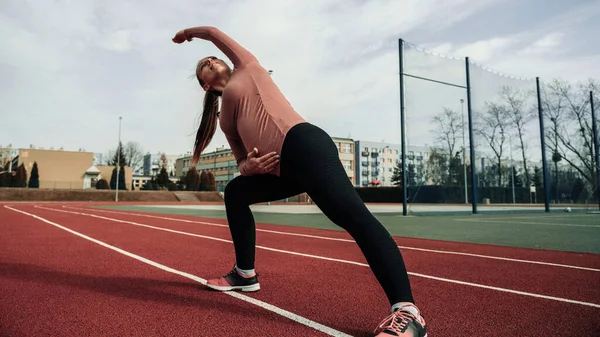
(402, 323)
(234, 281)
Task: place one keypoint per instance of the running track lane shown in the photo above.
(453, 309)
(556, 282)
(569, 258)
(56, 283)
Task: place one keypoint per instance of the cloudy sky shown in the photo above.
(70, 68)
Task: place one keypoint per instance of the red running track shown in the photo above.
(89, 279)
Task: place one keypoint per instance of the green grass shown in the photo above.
(554, 231)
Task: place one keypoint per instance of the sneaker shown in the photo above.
(402, 323)
(234, 281)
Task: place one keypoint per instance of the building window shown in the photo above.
(346, 148)
(347, 164)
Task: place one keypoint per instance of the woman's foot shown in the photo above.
(235, 281)
(404, 322)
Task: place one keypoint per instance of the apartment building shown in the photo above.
(346, 149)
(375, 162)
(220, 162)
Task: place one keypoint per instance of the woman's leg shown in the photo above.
(317, 168)
(313, 161)
(240, 193)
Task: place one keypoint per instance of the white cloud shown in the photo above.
(549, 43)
(75, 67)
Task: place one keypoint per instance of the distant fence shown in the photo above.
(448, 195)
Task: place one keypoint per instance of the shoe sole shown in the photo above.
(249, 288)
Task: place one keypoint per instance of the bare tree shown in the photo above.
(437, 166)
(448, 129)
(108, 156)
(493, 127)
(134, 154)
(520, 116)
(570, 135)
(163, 161)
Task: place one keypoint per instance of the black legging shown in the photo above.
(310, 163)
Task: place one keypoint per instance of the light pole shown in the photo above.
(118, 161)
(512, 169)
(464, 149)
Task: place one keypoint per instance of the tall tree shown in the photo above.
(569, 135)
(520, 114)
(204, 181)
(20, 177)
(192, 179)
(493, 127)
(163, 177)
(134, 154)
(448, 129)
(119, 155)
(437, 166)
(34, 179)
(113, 179)
(537, 177)
(212, 182)
(455, 171)
(517, 178)
(397, 174)
(411, 177)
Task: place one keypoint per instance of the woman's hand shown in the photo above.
(182, 36)
(260, 165)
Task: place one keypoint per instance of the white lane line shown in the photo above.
(351, 241)
(551, 216)
(479, 221)
(559, 299)
(302, 320)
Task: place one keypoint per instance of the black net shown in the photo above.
(506, 130)
(436, 126)
(506, 134)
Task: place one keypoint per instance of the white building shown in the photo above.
(152, 164)
(375, 162)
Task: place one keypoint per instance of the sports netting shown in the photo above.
(436, 126)
(504, 126)
(506, 129)
(570, 149)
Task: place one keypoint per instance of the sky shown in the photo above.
(71, 68)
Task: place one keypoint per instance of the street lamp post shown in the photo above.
(512, 169)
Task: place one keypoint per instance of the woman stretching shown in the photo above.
(280, 155)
